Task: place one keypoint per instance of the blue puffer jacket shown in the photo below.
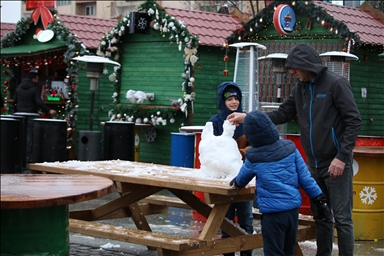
(278, 166)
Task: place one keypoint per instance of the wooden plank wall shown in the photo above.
(369, 74)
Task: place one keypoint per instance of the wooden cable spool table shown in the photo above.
(34, 210)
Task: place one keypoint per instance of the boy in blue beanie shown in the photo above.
(280, 171)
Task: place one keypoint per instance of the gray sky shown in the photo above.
(10, 11)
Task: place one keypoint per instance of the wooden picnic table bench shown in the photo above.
(34, 210)
(140, 183)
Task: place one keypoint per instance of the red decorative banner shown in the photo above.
(41, 8)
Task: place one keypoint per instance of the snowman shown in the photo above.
(219, 155)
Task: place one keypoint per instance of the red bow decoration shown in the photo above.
(239, 29)
(41, 8)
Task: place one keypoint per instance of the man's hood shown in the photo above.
(259, 129)
(303, 56)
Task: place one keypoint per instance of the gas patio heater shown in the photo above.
(339, 62)
(90, 141)
(246, 73)
(278, 68)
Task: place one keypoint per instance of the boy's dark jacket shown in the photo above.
(328, 117)
(277, 164)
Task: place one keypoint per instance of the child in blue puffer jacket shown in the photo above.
(280, 171)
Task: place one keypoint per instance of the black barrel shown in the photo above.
(49, 140)
(27, 135)
(21, 153)
(89, 143)
(9, 145)
(119, 141)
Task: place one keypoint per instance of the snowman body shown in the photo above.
(219, 155)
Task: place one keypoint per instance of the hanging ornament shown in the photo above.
(226, 59)
(5, 72)
(5, 82)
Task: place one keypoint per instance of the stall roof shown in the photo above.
(211, 28)
(87, 29)
(6, 28)
(364, 23)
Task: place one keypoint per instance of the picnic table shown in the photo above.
(34, 210)
(140, 182)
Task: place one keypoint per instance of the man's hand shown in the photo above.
(336, 168)
(52, 112)
(236, 118)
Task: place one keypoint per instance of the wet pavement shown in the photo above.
(180, 222)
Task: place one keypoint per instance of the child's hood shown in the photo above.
(259, 129)
(220, 97)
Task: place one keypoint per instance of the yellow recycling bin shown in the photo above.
(368, 193)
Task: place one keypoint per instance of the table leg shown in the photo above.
(214, 221)
(205, 210)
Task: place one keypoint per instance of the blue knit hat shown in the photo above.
(230, 91)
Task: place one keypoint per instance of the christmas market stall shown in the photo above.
(172, 62)
(349, 41)
(48, 41)
(327, 27)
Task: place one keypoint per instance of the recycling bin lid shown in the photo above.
(8, 119)
(25, 114)
(183, 133)
(191, 128)
(49, 120)
(118, 122)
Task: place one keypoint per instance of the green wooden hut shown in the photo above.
(179, 60)
(327, 27)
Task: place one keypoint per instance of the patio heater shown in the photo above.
(381, 56)
(278, 68)
(339, 62)
(90, 141)
(246, 73)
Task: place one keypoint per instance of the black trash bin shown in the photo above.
(21, 152)
(119, 141)
(9, 145)
(49, 140)
(89, 143)
(26, 130)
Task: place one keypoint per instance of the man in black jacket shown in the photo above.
(329, 122)
(27, 96)
(28, 100)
